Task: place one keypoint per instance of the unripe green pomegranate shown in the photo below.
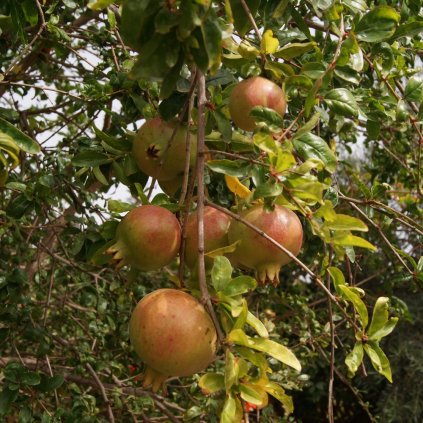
(216, 226)
(256, 252)
(147, 238)
(251, 92)
(151, 148)
(173, 335)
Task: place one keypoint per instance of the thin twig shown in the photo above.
(205, 296)
(103, 393)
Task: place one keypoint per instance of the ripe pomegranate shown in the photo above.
(256, 252)
(251, 92)
(150, 148)
(173, 334)
(147, 238)
(216, 226)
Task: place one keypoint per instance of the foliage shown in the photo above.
(76, 80)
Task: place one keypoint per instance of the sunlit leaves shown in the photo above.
(378, 24)
(272, 348)
(309, 146)
(342, 102)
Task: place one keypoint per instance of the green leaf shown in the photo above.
(221, 273)
(231, 371)
(342, 102)
(347, 239)
(293, 50)
(23, 141)
(253, 394)
(311, 146)
(338, 278)
(356, 5)
(239, 285)
(99, 4)
(118, 206)
(232, 410)
(30, 378)
(241, 22)
(257, 325)
(211, 383)
(378, 24)
(212, 36)
(266, 143)
(237, 168)
(48, 383)
(258, 359)
(268, 189)
(271, 118)
(381, 325)
(137, 23)
(378, 359)
(343, 222)
(354, 358)
(7, 397)
(359, 306)
(414, 89)
(409, 29)
(272, 348)
(90, 159)
(278, 392)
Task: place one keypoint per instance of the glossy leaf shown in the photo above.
(414, 89)
(210, 383)
(347, 239)
(221, 273)
(237, 169)
(357, 302)
(343, 222)
(257, 325)
(355, 358)
(241, 22)
(342, 102)
(239, 285)
(272, 348)
(378, 24)
(378, 359)
(23, 141)
(294, 50)
(309, 146)
(232, 410)
(253, 394)
(278, 392)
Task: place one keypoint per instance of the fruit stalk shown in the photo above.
(205, 296)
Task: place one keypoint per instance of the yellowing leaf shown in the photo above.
(347, 239)
(247, 51)
(269, 44)
(236, 187)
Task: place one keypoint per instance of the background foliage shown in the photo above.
(75, 82)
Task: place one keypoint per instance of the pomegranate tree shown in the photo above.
(256, 252)
(173, 335)
(156, 154)
(251, 92)
(147, 238)
(216, 226)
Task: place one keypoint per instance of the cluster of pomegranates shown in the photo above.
(169, 329)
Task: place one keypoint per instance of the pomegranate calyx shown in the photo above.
(268, 273)
(118, 255)
(155, 379)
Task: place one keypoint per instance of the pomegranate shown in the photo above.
(256, 252)
(216, 226)
(147, 238)
(255, 91)
(151, 147)
(173, 334)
